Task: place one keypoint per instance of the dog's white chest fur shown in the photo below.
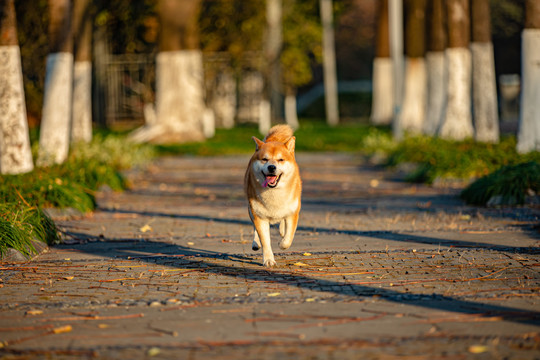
(274, 205)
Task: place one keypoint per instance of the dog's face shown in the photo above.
(274, 162)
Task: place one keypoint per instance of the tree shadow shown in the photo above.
(181, 257)
(384, 235)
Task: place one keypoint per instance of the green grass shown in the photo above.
(72, 184)
(507, 186)
(225, 142)
(313, 135)
(438, 158)
(20, 224)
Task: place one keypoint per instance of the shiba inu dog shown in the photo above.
(273, 188)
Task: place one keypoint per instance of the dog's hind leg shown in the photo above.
(282, 227)
(290, 228)
(256, 244)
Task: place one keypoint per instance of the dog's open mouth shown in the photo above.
(271, 180)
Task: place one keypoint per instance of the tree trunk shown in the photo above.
(435, 67)
(15, 153)
(224, 99)
(265, 117)
(81, 127)
(457, 123)
(56, 118)
(181, 114)
(329, 64)
(273, 47)
(395, 16)
(291, 117)
(382, 105)
(414, 101)
(486, 117)
(179, 99)
(529, 119)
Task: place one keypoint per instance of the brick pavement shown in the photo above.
(379, 269)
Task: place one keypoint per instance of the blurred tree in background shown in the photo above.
(237, 27)
(32, 20)
(131, 24)
(507, 19)
(224, 26)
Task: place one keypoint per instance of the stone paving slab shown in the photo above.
(380, 269)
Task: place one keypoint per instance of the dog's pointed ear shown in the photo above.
(289, 144)
(258, 142)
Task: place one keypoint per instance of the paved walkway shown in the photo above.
(379, 269)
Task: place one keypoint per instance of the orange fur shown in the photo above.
(279, 133)
(273, 187)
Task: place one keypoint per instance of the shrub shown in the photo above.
(72, 184)
(20, 224)
(507, 186)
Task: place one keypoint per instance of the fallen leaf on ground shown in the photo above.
(477, 349)
(145, 228)
(62, 329)
(34, 312)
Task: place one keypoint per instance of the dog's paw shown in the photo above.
(269, 263)
(255, 246)
(284, 245)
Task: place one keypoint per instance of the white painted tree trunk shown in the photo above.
(81, 127)
(395, 16)
(56, 117)
(273, 47)
(457, 122)
(291, 117)
(15, 153)
(208, 121)
(265, 116)
(224, 100)
(486, 115)
(382, 102)
(414, 101)
(436, 91)
(529, 119)
(329, 63)
(180, 108)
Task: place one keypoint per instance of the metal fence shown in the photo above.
(125, 83)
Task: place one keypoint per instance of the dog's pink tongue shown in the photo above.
(269, 180)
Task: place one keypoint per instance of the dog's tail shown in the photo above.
(279, 133)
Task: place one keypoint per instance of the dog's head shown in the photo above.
(274, 161)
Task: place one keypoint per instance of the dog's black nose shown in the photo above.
(272, 168)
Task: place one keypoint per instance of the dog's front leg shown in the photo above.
(290, 228)
(263, 229)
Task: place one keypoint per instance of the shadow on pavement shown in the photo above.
(172, 255)
(385, 235)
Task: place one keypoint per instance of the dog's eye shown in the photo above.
(265, 159)
(281, 160)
